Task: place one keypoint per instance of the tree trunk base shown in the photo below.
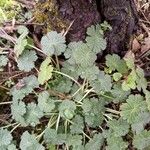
(123, 17)
(120, 14)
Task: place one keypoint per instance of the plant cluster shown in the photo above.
(75, 104)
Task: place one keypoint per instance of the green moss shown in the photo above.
(8, 10)
(47, 13)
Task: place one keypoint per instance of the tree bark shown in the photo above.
(83, 12)
(120, 14)
(123, 17)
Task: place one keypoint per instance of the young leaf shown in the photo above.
(29, 142)
(141, 121)
(18, 109)
(63, 85)
(79, 95)
(67, 108)
(50, 136)
(20, 46)
(53, 43)
(33, 114)
(142, 141)
(26, 61)
(114, 62)
(134, 106)
(105, 26)
(95, 39)
(21, 42)
(78, 125)
(23, 31)
(116, 143)
(89, 73)
(71, 70)
(12, 147)
(74, 140)
(130, 82)
(119, 94)
(102, 83)
(95, 143)
(24, 87)
(129, 58)
(84, 56)
(71, 49)
(45, 72)
(79, 53)
(5, 138)
(141, 81)
(118, 127)
(93, 111)
(117, 76)
(45, 103)
(61, 139)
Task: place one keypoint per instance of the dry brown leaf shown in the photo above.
(135, 45)
(146, 46)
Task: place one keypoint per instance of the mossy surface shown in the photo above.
(46, 12)
(9, 9)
